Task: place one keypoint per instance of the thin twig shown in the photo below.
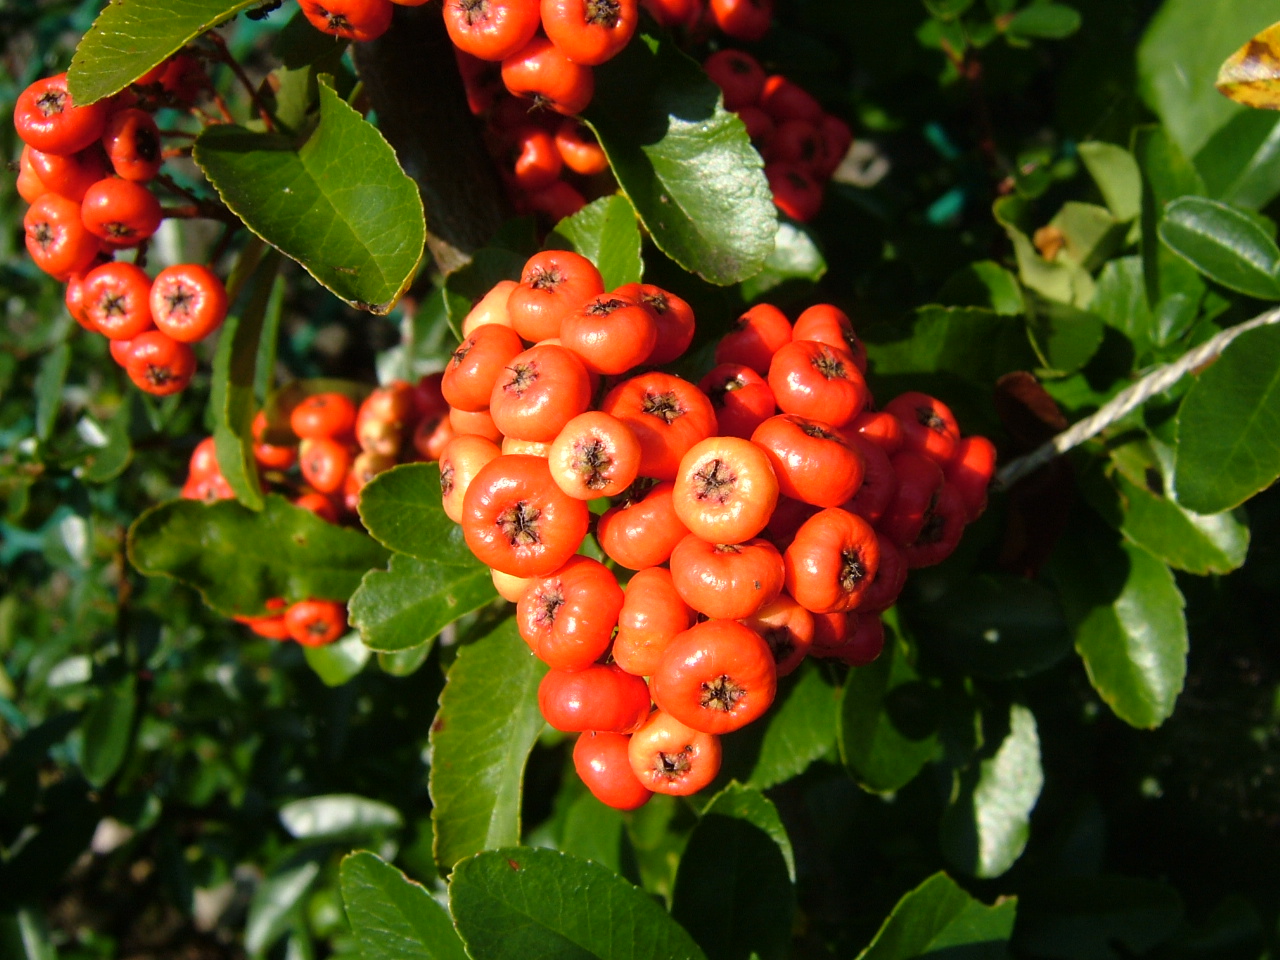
(205, 117)
(1127, 400)
(199, 211)
(223, 55)
(173, 186)
(221, 104)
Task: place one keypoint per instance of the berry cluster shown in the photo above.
(549, 164)
(745, 20)
(546, 48)
(802, 145)
(84, 171)
(512, 51)
(768, 512)
(321, 460)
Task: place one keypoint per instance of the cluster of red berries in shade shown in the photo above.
(550, 165)
(546, 48)
(329, 450)
(802, 144)
(84, 171)
(764, 514)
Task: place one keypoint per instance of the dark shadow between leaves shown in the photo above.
(915, 709)
(749, 916)
(642, 90)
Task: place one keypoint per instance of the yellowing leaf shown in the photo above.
(1251, 75)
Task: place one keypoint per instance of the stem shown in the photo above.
(1127, 400)
(223, 55)
(412, 83)
(221, 104)
(198, 211)
(198, 207)
(173, 186)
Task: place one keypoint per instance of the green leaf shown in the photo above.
(1044, 21)
(274, 902)
(799, 729)
(231, 399)
(338, 815)
(48, 388)
(336, 663)
(1225, 244)
(1152, 519)
(1121, 301)
(984, 284)
(948, 9)
(1064, 337)
(339, 205)
(605, 232)
(684, 161)
(239, 559)
(1116, 173)
(107, 725)
(992, 625)
(1179, 57)
(407, 605)
(1229, 426)
(795, 257)
(1167, 175)
(24, 936)
(747, 803)
(392, 917)
(734, 890)
(1127, 615)
(1101, 918)
(1060, 280)
(1090, 233)
(132, 36)
(404, 663)
(985, 828)
(486, 726)
(1241, 162)
(939, 918)
(401, 510)
(593, 831)
(976, 345)
(113, 456)
(522, 902)
(889, 721)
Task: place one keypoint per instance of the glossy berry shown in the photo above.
(542, 73)
(116, 299)
(47, 118)
(132, 142)
(716, 677)
(669, 757)
(121, 212)
(188, 301)
(158, 364)
(602, 763)
(315, 623)
(359, 20)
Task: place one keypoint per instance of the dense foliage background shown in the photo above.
(1076, 717)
